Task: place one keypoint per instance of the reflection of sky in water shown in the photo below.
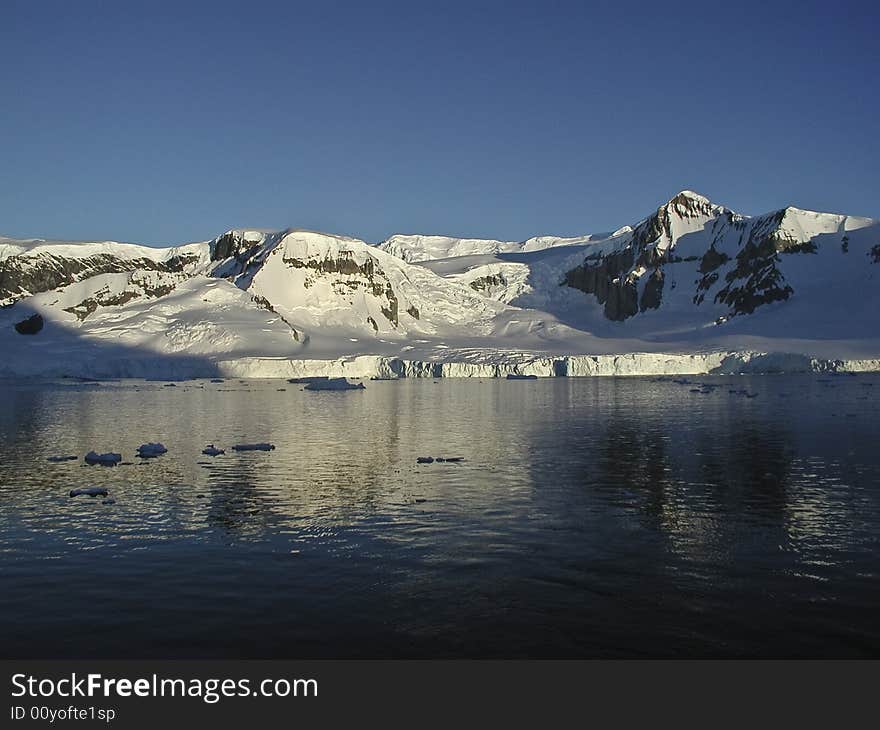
(591, 516)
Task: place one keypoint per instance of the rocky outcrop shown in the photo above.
(235, 244)
(31, 274)
(604, 277)
(264, 303)
(484, 283)
(141, 284)
(365, 273)
(652, 294)
(756, 278)
(29, 326)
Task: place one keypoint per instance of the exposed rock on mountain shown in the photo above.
(692, 279)
(29, 326)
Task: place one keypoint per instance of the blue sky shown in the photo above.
(168, 122)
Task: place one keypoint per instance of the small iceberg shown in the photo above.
(334, 384)
(108, 459)
(148, 451)
(254, 447)
(517, 376)
(89, 492)
(210, 450)
(439, 459)
(58, 459)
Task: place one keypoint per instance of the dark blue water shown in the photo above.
(590, 518)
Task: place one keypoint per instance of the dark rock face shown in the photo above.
(233, 244)
(610, 277)
(23, 275)
(224, 246)
(29, 326)
(711, 260)
(756, 279)
(752, 279)
(603, 276)
(652, 294)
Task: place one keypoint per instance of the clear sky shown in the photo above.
(165, 122)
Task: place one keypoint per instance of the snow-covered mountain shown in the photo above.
(689, 288)
(415, 248)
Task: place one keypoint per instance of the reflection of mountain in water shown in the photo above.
(590, 517)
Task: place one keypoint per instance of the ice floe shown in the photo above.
(334, 384)
(148, 451)
(89, 492)
(108, 459)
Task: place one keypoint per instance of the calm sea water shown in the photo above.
(591, 517)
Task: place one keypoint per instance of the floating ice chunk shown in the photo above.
(210, 450)
(108, 459)
(254, 447)
(89, 491)
(57, 459)
(148, 451)
(334, 384)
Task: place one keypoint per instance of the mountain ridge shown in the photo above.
(691, 276)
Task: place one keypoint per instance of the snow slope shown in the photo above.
(415, 248)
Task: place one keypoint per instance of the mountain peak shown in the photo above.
(689, 195)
